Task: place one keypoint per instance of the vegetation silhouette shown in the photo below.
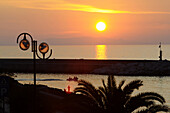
(111, 97)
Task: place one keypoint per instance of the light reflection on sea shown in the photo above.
(151, 84)
(101, 52)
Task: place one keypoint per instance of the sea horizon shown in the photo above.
(132, 52)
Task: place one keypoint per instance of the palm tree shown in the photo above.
(154, 109)
(119, 98)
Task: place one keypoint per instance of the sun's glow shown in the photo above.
(100, 26)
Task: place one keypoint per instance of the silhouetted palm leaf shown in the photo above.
(142, 111)
(154, 109)
(158, 108)
(121, 84)
(129, 88)
(89, 87)
(135, 104)
(144, 99)
(152, 96)
(104, 86)
(83, 90)
(89, 90)
(111, 84)
(103, 97)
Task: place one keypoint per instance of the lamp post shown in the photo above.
(43, 48)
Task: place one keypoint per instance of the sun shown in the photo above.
(100, 26)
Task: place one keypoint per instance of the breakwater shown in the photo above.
(87, 66)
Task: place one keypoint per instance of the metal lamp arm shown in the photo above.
(38, 55)
(50, 54)
(44, 55)
(25, 36)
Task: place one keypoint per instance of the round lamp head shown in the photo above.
(24, 44)
(43, 47)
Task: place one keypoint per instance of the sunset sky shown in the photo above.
(73, 21)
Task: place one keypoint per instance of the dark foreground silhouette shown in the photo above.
(111, 97)
(107, 99)
(22, 98)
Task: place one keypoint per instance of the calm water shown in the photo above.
(153, 84)
(93, 52)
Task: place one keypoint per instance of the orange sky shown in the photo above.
(73, 21)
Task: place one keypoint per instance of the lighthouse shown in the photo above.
(160, 55)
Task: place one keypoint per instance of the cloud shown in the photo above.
(65, 5)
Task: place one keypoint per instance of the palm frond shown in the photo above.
(85, 92)
(104, 85)
(151, 96)
(104, 98)
(134, 104)
(111, 84)
(81, 90)
(129, 88)
(158, 108)
(102, 89)
(88, 87)
(142, 111)
(121, 84)
(154, 109)
(86, 84)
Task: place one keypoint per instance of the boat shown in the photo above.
(72, 79)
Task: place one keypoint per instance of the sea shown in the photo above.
(157, 84)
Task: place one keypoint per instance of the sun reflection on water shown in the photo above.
(101, 52)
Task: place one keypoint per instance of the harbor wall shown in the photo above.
(87, 66)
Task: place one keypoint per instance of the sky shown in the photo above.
(72, 22)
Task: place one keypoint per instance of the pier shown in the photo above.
(87, 66)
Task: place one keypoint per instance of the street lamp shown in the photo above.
(43, 48)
